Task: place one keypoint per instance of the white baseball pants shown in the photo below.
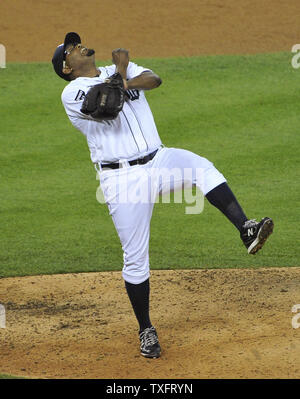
(130, 194)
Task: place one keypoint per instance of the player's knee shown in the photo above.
(136, 272)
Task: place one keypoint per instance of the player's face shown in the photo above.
(77, 55)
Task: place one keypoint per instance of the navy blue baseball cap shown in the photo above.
(60, 54)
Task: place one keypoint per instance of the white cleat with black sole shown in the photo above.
(254, 234)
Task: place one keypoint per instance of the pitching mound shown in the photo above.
(211, 324)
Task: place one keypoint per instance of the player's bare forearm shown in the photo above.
(146, 81)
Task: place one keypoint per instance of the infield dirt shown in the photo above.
(211, 323)
(30, 29)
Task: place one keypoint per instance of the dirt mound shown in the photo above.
(211, 324)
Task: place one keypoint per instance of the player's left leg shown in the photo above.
(215, 188)
(128, 196)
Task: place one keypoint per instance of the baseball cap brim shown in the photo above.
(58, 57)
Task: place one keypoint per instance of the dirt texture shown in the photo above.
(211, 323)
(31, 29)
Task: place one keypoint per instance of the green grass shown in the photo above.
(10, 377)
(240, 112)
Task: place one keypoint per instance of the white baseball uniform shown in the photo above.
(130, 191)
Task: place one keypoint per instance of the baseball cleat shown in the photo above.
(255, 234)
(149, 343)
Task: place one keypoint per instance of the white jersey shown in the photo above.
(131, 135)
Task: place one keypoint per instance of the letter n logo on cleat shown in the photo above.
(250, 232)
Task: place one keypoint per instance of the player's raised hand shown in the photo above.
(120, 57)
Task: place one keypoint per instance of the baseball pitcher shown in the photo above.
(108, 105)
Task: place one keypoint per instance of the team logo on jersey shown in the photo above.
(132, 94)
(80, 95)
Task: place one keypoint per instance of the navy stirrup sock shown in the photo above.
(139, 298)
(223, 198)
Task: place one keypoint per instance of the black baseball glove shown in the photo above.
(105, 100)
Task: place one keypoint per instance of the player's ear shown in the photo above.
(67, 70)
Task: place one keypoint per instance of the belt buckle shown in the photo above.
(123, 163)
